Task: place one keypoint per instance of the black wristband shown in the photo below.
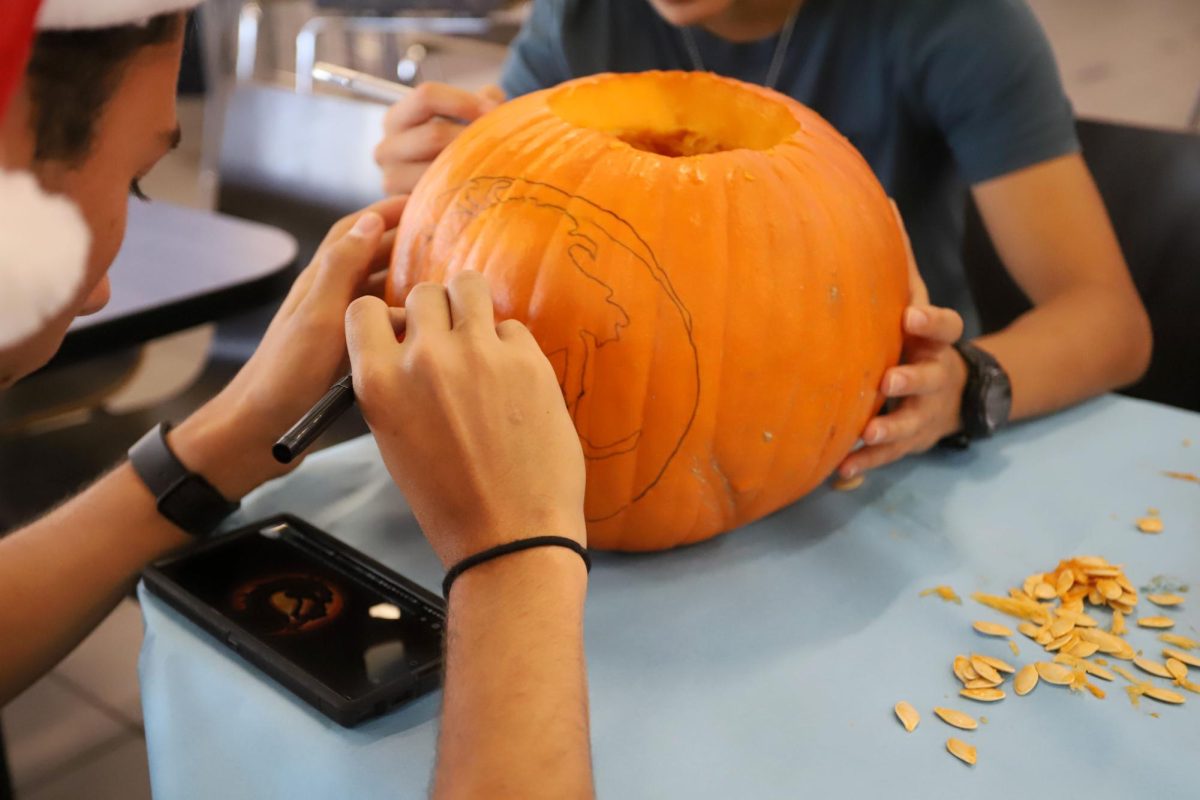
(183, 497)
(512, 547)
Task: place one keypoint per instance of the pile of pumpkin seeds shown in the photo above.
(1051, 607)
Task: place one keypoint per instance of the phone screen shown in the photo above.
(338, 627)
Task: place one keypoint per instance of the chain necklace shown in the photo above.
(781, 48)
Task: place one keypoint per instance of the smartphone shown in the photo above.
(359, 83)
(342, 632)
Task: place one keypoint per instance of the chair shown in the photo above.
(298, 161)
(6, 790)
(1150, 183)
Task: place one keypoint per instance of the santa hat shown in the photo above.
(44, 240)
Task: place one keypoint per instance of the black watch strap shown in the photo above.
(986, 397)
(182, 496)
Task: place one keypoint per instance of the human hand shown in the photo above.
(229, 439)
(928, 382)
(422, 124)
(469, 418)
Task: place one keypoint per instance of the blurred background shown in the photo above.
(281, 159)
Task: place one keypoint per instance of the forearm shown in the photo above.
(1082, 343)
(61, 575)
(515, 719)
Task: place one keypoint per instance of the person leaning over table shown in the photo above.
(484, 451)
(933, 93)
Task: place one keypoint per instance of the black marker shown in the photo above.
(335, 402)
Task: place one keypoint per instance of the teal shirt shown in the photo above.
(936, 94)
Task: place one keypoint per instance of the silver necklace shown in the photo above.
(781, 48)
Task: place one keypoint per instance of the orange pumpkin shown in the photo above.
(713, 270)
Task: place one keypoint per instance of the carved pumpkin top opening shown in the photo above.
(677, 114)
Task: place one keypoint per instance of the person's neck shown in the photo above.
(748, 20)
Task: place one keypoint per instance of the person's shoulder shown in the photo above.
(921, 18)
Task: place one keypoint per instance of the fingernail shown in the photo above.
(915, 318)
(874, 435)
(849, 472)
(895, 383)
(367, 225)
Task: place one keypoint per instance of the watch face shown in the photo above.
(996, 401)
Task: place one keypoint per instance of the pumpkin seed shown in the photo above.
(1061, 627)
(1179, 641)
(1031, 583)
(1013, 606)
(1044, 591)
(961, 750)
(1163, 695)
(995, 663)
(908, 716)
(1109, 588)
(1054, 673)
(1177, 669)
(1150, 525)
(849, 484)
(992, 629)
(1098, 671)
(986, 670)
(1044, 638)
(1179, 655)
(1118, 623)
(1060, 642)
(963, 669)
(1156, 622)
(1094, 597)
(1026, 680)
(1096, 691)
(1165, 599)
(981, 683)
(1016, 651)
(1153, 667)
(1084, 649)
(983, 695)
(1084, 621)
(956, 718)
(1066, 579)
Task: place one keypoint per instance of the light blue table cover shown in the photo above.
(765, 663)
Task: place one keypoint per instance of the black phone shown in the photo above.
(341, 631)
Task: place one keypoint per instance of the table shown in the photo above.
(181, 267)
(764, 663)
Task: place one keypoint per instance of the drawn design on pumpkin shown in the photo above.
(604, 249)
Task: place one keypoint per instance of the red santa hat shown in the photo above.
(44, 240)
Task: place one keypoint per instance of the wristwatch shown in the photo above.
(182, 496)
(986, 398)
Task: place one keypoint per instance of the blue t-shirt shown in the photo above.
(936, 94)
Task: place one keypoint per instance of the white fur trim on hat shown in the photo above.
(43, 254)
(76, 14)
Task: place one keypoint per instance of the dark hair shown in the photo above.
(73, 74)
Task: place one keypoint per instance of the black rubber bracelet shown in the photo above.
(512, 547)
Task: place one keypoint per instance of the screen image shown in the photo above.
(340, 628)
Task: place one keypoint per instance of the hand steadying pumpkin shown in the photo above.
(928, 383)
(469, 418)
(229, 439)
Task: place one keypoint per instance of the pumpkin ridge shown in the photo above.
(797, 387)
